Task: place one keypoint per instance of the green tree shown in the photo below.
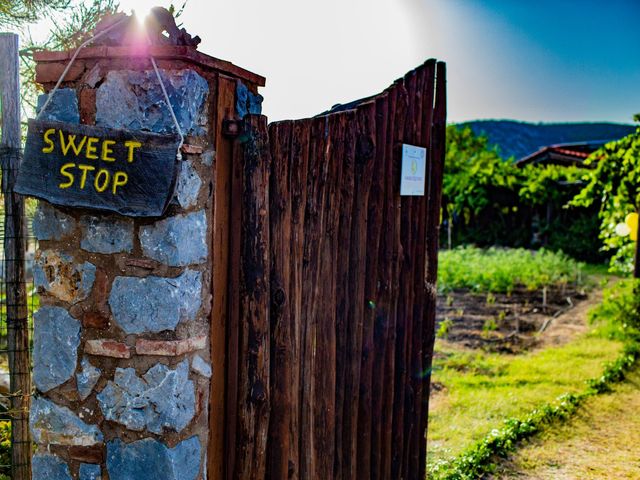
(615, 182)
(18, 13)
(488, 200)
(472, 170)
(69, 31)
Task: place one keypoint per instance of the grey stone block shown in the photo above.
(49, 467)
(154, 304)
(50, 223)
(188, 185)
(161, 399)
(150, 459)
(201, 367)
(134, 100)
(51, 424)
(106, 234)
(87, 378)
(176, 241)
(59, 276)
(63, 107)
(207, 157)
(247, 102)
(55, 347)
(90, 471)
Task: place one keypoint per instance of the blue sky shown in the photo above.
(534, 60)
(537, 60)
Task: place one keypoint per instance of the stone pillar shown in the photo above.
(122, 338)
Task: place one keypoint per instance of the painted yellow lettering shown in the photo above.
(85, 169)
(131, 144)
(48, 141)
(63, 171)
(71, 144)
(106, 151)
(91, 148)
(120, 179)
(105, 183)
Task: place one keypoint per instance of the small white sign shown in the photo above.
(414, 170)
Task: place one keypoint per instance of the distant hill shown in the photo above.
(519, 139)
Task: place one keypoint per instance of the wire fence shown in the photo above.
(18, 300)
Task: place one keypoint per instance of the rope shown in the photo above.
(155, 69)
(166, 97)
(73, 58)
(173, 115)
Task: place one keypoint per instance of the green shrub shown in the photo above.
(444, 328)
(613, 185)
(5, 449)
(618, 316)
(498, 270)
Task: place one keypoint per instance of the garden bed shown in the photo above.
(504, 322)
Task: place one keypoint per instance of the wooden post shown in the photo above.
(14, 251)
(254, 295)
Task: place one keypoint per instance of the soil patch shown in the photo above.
(515, 322)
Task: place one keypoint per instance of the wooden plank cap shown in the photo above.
(160, 52)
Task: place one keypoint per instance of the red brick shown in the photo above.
(50, 56)
(88, 106)
(95, 320)
(50, 72)
(201, 405)
(141, 263)
(100, 286)
(107, 348)
(94, 454)
(170, 348)
(192, 149)
(160, 52)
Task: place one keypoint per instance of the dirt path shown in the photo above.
(601, 442)
(570, 324)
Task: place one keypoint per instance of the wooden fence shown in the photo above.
(13, 293)
(332, 306)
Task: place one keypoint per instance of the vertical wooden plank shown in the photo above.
(387, 282)
(343, 288)
(356, 309)
(219, 414)
(438, 146)
(408, 239)
(365, 159)
(298, 172)
(282, 374)
(314, 218)
(375, 303)
(233, 322)
(424, 97)
(324, 375)
(253, 385)
(401, 330)
(14, 253)
(405, 317)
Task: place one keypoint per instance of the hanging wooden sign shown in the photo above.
(128, 172)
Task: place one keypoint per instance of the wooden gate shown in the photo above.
(332, 307)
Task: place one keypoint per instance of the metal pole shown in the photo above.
(14, 251)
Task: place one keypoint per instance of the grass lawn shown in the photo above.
(480, 390)
(601, 441)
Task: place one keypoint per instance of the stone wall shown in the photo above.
(121, 340)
